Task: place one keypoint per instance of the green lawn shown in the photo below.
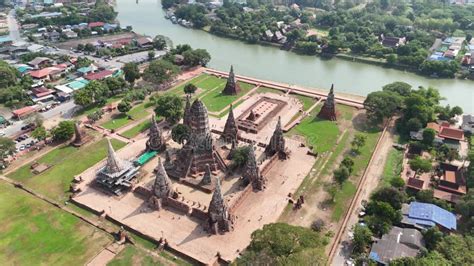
(90, 109)
(307, 101)
(196, 80)
(215, 101)
(119, 120)
(66, 162)
(131, 255)
(35, 233)
(141, 127)
(270, 90)
(319, 133)
(342, 199)
(393, 166)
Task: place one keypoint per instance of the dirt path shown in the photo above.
(340, 251)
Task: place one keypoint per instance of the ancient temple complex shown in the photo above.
(328, 111)
(219, 219)
(199, 150)
(155, 141)
(230, 133)
(117, 174)
(277, 143)
(251, 173)
(162, 187)
(231, 87)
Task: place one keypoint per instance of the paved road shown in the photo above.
(13, 26)
(373, 175)
(64, 111)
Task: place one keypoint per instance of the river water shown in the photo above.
(270, 63)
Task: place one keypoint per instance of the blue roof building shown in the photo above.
(426, 215)
(5, 39)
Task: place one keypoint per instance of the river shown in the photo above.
(270, 63)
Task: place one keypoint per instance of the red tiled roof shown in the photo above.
(24, 111)
(96, 24)
(41, 73)
(415, 183)
(451, 133)
(99, 75)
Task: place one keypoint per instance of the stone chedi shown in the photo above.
(251, 173)
(155, 141)
(328, 111)
(219, 218)
(277, 143)
(231, 132)
(79, 137)
(117, 174)
(206, 179)
(199, 149)
(162, 187)
(231, 87)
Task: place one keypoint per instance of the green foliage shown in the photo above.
(160, 71)
(432, 237)
(457, 249)
(131, 72)
(8, 75)
(381, 216)
(440, 68)
(465, 207)
(190, 88)
(240, 156)
(180, 133)
(362, 238)
(341, 174)
(196, 57)
(380, 105)
(358, 142)
(95, 116)
(7, 147)
(82, 62)
(63, 131)
(102, 11)
(94, 92)
(397, 182)
(39, 133)
(170, 107)
(429, 136)
(124, 106)
(420, 165)
(284, 244)
(390, 195)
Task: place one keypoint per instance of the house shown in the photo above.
(70, 34)
(46, 74)
(24, 112)
(468, 123)
(268, 35)
(5, 42)
(398, 243)
(40, 62)
(279, 37)
(451, 137)
(109, 27)
(97, 24)
(425, 215)
(452, 183)
(35, 48)
(86, 70)
(22, 68)
(415, 184)
(144, 42)
(99, 75)
(53, 36)
(392, 42)
(42, 94)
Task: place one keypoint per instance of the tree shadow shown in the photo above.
(360, 123)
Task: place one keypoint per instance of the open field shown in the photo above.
(131, 255)
(35, 233)
(393, 166)
(66, 162)
(139, 128)
(215, 101)
(119, 120)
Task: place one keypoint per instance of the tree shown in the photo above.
(7, 147)
(429, 136)
(180, 133)
(115, 85)
(432, 237)
(39, 133)
(420, 165)
(170, 107)
(63, 131)
(318, 225)
(283, 243)
(362, 238)
(93, 92)
(398, 87)
(151, 55)
(124, 106)
(348, 163)
(190, 88)
(465, 207)
(390, 195)
(8, 75)
(240, 156)
(358, 142)
(380, 105)
(131, 72)
(160, 71)
(341, 174)
(397, 182)
(196, 57)
(95, 116)
(457, 249)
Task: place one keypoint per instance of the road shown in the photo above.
(370, 183)
(13, 27)
(64, 111)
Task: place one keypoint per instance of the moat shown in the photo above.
(146, 16)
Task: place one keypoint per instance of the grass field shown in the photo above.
(35, 233)
(66, 162)
(131, 255)
(307, 101)
(119, 120)
(196, 81)
(393, 166)
(215, 101)
(141, 127)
